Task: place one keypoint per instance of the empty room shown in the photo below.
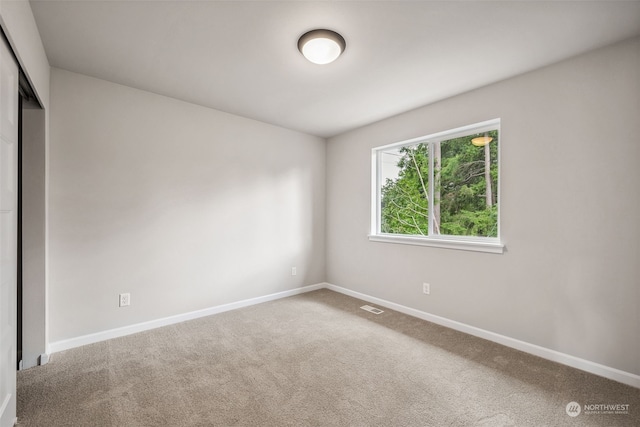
(319, 213)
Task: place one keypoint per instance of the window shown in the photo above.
(440, 190)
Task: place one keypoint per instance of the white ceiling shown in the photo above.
(241, 57)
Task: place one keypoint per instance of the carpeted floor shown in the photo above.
(315, 359)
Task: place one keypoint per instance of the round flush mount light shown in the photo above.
(321, 46)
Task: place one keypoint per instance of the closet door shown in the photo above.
(8, 232)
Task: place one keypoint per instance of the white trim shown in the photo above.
(431, 148)
(467, 243)
(566, 359)
(375, 193)
(5, 404)
(152, 324)
(449, 134)
(43, 359)
(628, 378)
(5, 407)
(491, 246)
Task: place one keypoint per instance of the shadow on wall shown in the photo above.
(177, 251)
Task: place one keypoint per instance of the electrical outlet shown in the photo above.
(125, 300)
(294, 271)
(426, 288)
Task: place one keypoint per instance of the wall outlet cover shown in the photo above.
(125, 300)
(426, 288)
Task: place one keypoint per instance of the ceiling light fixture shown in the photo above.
(481, 141)
(321, 46)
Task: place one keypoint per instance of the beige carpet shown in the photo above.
(311, 360)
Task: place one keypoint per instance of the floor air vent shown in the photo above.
(372, 309)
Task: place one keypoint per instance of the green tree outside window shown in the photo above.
(464, 190)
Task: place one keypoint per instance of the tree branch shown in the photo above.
(409, 208)
(424, 189)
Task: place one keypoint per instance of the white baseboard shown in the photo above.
(145, 326)
(8, 406)
(43, 359)
(545, 353)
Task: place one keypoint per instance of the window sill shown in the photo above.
(490, 245)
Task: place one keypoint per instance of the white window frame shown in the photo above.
(469, 243)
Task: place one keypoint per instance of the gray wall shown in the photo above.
(34, 342)
(182, 206)
(570, 278)
(188, 208)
